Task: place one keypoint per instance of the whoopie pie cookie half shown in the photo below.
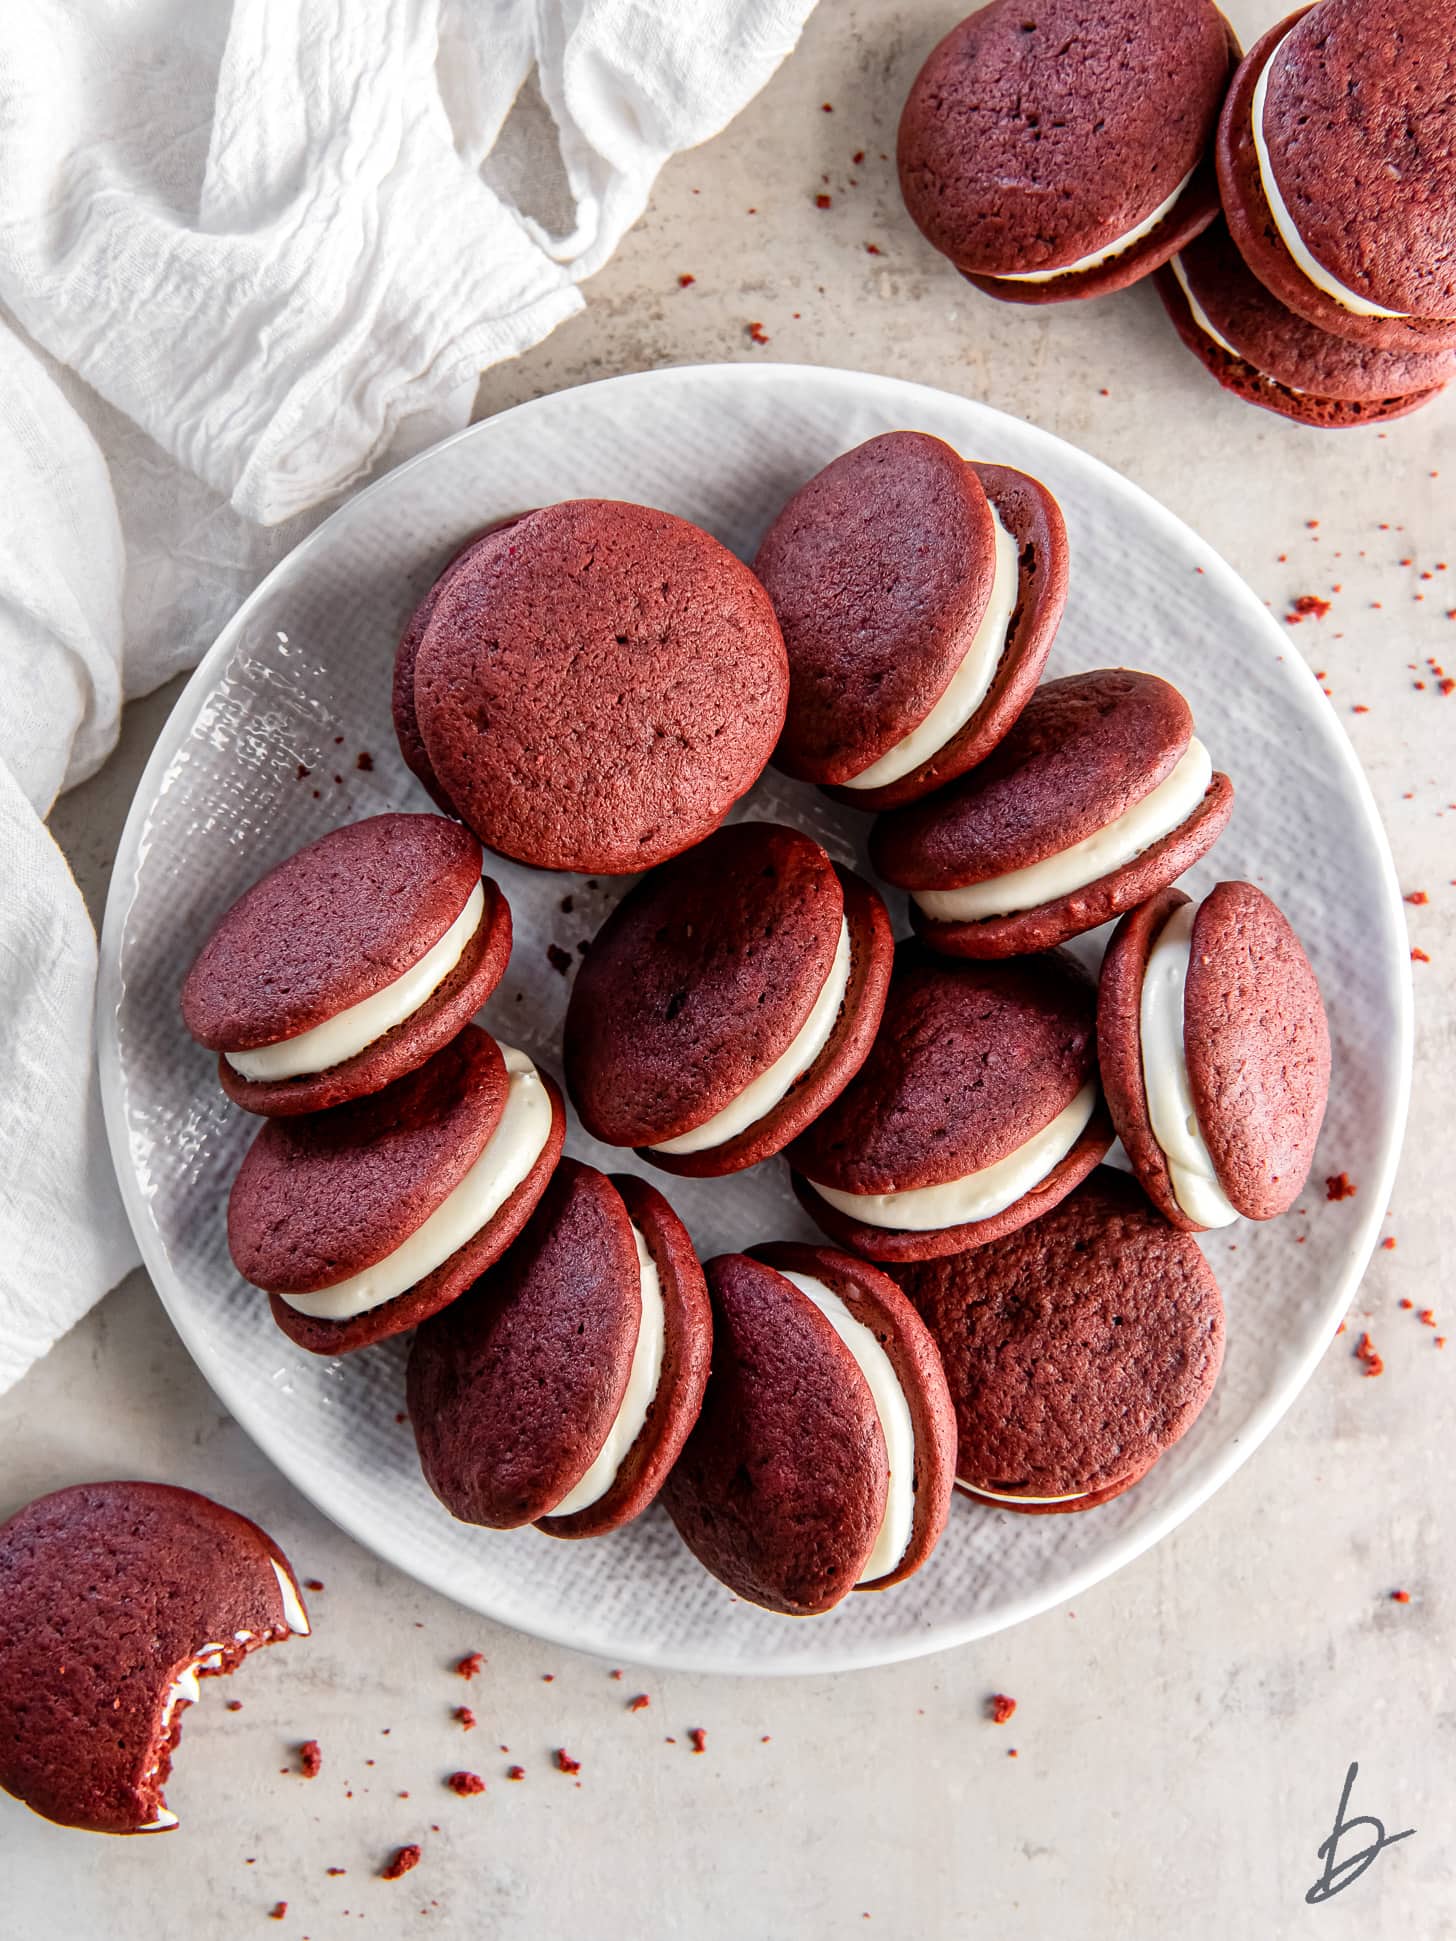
(824, 1456)
(116, 1599)
(1215, 1054)
(729, 997)
(561, 1388)
(1078, 1349)
(1100, 795)
(1060, 150)
(1268, 355)
(1334, 163)
(595, 687)
(918, 597)
(361, 1222)
(349, 964)
(977, 1109)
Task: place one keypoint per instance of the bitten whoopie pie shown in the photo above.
(727, 999)
(824, 1456)
(918, 596)
(115, 1600)
(363, 1221)
(1100, 795)
(1268, 355)
(1215, 1054)
(1077, 1349)
(976, 1110)
(1056, 149)
(349, 964)
(596, 686)
(560, 1389)
(1335, 165)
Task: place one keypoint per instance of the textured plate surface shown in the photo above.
(301, 679)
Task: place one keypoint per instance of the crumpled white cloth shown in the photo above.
(255, 249)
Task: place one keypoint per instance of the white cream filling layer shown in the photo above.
(1100, 256)
(763, 1093)
(1107, 849)
(1165, 1076)
(1289, 235)
(990, 1495)
(294, 1615)
(642, 1380)
(348, 1032)
(897, 1526)
(923, 1209)
(969, 684)
(510, 1153)
(1200, 315)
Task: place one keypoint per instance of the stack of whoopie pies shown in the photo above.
(591, 686)
(1296, 207)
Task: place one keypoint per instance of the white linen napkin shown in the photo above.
(259, 248)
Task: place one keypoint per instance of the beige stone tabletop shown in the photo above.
(1182, 1734)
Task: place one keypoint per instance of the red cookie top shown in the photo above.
(1037, 135)
(971, 1060)
(699, 980)
(1360, 126)
(328, 927)
(323, 1197)
(780, 1490)
(513, 1388)
(1078, 1349)
(109, 1594)
(1084, 749)
(1258, 1048)
(596, 688)
(879, 569)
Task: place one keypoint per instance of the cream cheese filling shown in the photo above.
(897, 1525)
(979, 1195)
(1171, 1110)
(349, 1032)
(969, 684)
(1200, 315)
(510, 1153)
(763, 1093)
(1107, 849)
(1100, 256)
(1313, 270)
(991, 1496)
(637, 1398)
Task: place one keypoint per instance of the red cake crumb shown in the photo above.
(515, 1772)
(1389, 1243)
(1427, 1315)
(334, 1872)
(548, 1678)
(301, 773)
(310, 1758)
(1419, 956)
(1340, 1186)
(614, 1674)
(465, 1784)
(559, 959)
(1306, 605)
(698, 1739)
(277, 1911)
(1407, 1304)
(235, 1705)
(313, 1583)
(1418, 897)
(405, 1861)
(639, 1704)
(686, 282)
(364, 760)
(465, 1717)
(756, 333)
(823, 202)
(1001, 1708)
(470, 1664)
(873, 249)
(565, 1763)
(857, 157)
(1365, 1352)
(1400, 1597)
(827, 108)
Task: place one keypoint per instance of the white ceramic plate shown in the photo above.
(301, 678)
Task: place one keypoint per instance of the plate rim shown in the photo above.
(831, 1657)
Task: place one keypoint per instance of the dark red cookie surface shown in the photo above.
(597, 687)
(873, 1299)
(1359, 121)
(321, 1198)
(1016, 155)
(780, 1489)
(1083, 751)
(1258, 1048)
(109, 1594)
(1034, 520)
(970, 1062)
(514, 1389)
(702, 978)
(1279, 360)
(1078, 1349)
(879, 569)
(335, 924)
